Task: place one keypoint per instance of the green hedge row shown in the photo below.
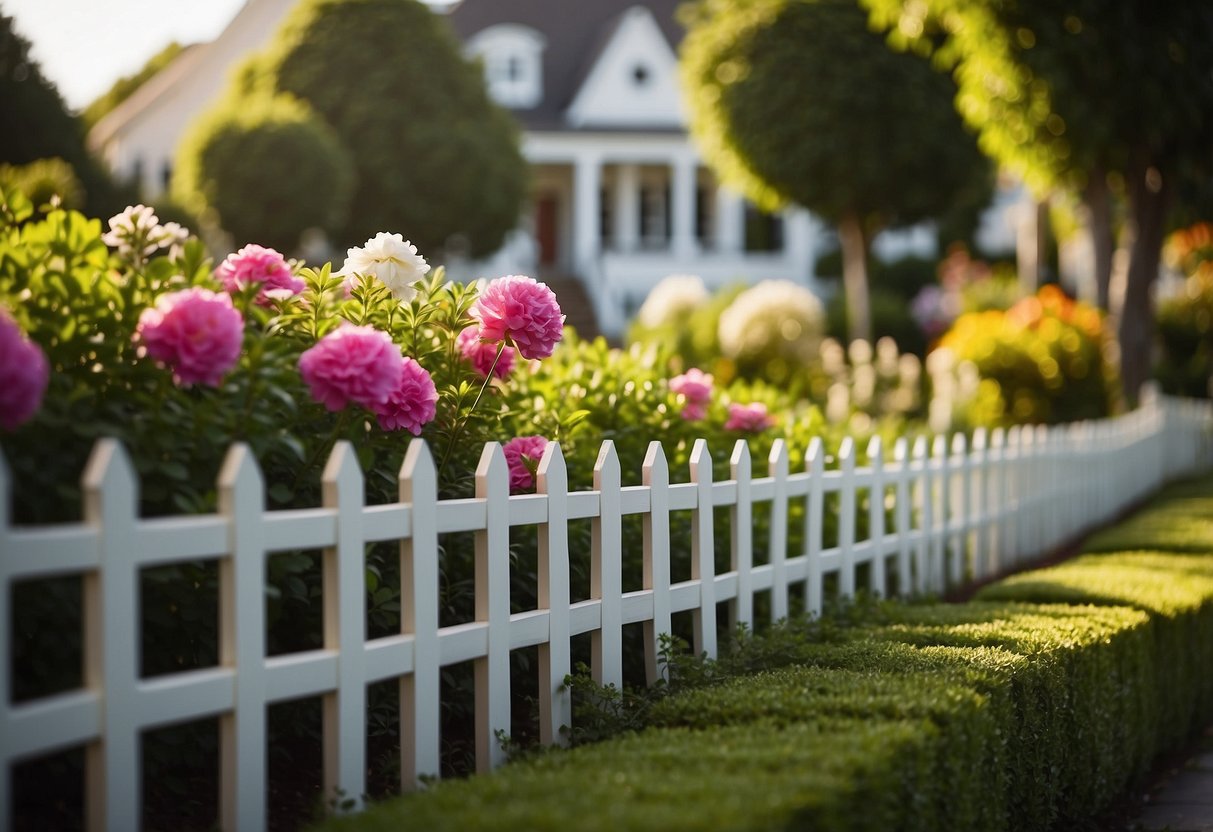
(1029, 708)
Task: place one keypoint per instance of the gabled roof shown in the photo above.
(576, 32)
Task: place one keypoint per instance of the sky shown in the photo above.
(83, 46)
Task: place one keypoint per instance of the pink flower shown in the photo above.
(517, 452)
(24, 373)
(695, 388)
(750, 418)
(522, 312)
(480, 354)
(358, 364)
(412, 404)
(195, 332)
(254, 265)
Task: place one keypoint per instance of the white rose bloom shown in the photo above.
(390, 258)
(774, 318)
(675, 295)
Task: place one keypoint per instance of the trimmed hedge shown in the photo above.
(1029, 708)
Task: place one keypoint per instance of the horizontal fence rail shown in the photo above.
(940, 513)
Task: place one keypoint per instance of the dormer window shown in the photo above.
(513, 63)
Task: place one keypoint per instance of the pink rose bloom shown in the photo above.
(750, 418)
(695, 387)
(24, 373)
(481, 354)
(254, 265)
(358, 364)
(517, 449)
(195, 332)
(412, 404)
(522, 312)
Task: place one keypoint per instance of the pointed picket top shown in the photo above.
(814, 457)
(240, 480)
(739, 460)
(701, 460)
(998, 438)
(939, 446)
(980, 439)
(656, 470)
(901, 449)
(960, 444)
(109, 482)
(417, 473)
(876, 452)
(919, 450)
(492, 472)
(552, 476)
(606, 467)
(777, 459)
(846, 454)
(341, 481)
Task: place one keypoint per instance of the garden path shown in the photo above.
(1182, 801)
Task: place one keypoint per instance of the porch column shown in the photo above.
(682, 238)
(729, 233)
(587, 222)
(799, 235)
(627, 207)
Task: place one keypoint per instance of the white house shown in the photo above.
(621, 197)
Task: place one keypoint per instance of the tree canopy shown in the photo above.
(798, 101)
(1084, 95)
(434, 157)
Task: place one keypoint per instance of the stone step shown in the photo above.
(575, 304)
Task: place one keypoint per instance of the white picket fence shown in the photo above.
(960, 511)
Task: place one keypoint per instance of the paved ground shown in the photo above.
(1182, 800)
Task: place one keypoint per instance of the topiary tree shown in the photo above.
(798, 101)
(434, 157)
(265, 169)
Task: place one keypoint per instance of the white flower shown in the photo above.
(390, 258)
(137, 230)
(673, 297)
(773, 318)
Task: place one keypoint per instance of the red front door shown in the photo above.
(545, 229)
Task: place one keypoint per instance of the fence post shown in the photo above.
(493, 607)
(815, 465)
(344, 583)
(606, 579)
(113, 762)
(656, 533)
(742, 537)
(703, 550)
(876, 516)
(777, 465)
(555, 701)
(420, 691)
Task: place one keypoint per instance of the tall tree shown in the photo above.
(434, 157)
(1089, 96)
(798, 101)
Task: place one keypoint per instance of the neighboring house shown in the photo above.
(621, 197)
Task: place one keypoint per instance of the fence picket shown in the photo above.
(962, 508)
(492, 670)
(777, 542)
(846, 517)
(656, 532)
(926, 520)
(741, 557)
(606, 579)
(942, 498)
(555, 702)
(901, 515)
(703, 550)
(420, 696)
(876, 516)
(980, 515)
(815, 466)
(113, 778)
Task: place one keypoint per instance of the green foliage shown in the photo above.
(126, 86)
(265, 169)
(798, 101)
(433, 156)
(46, 183)
(1185, 321)
(1040, 362)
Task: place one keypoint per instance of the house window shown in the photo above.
(513, 63)
(654, 215)
(166, 174)
(137, 173)
(763, 231)
(606, 217)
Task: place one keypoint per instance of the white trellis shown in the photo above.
(958, 510)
